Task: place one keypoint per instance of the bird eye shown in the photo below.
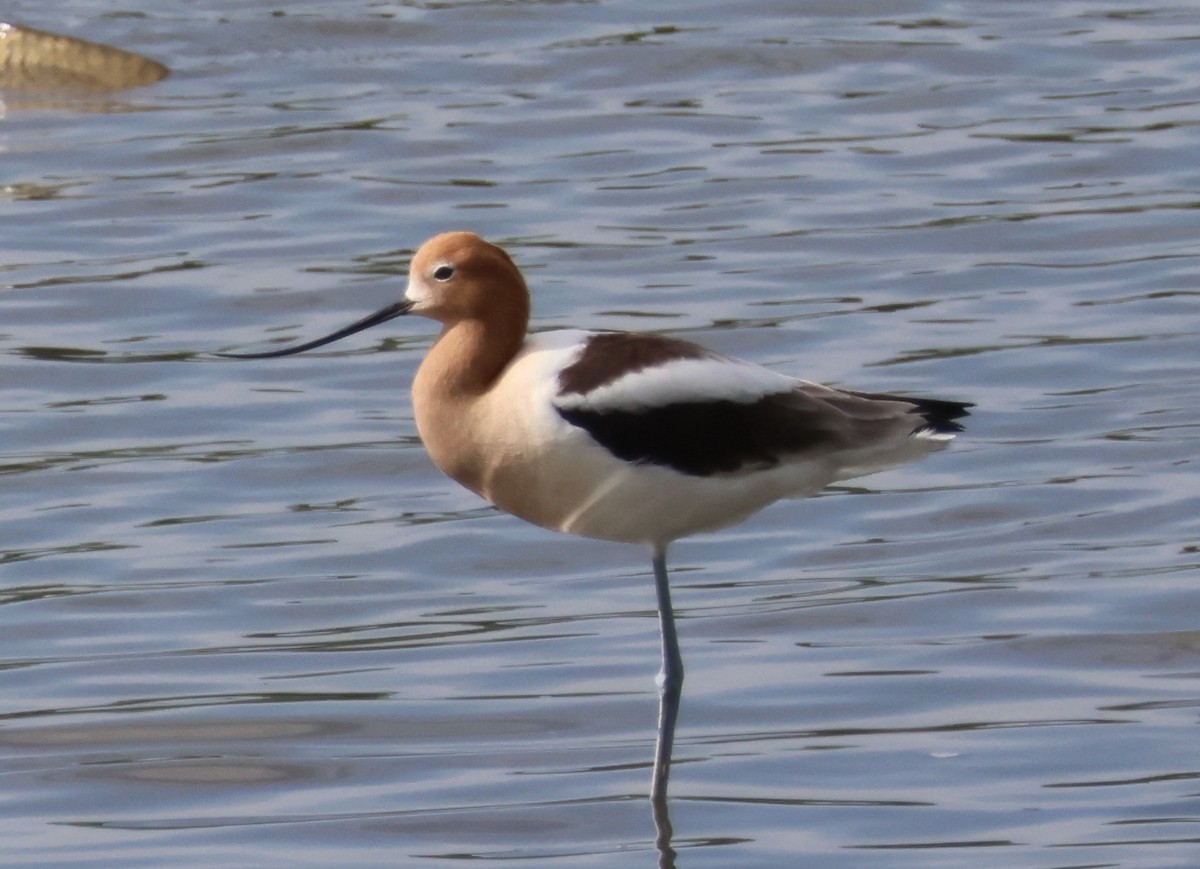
(443, 272)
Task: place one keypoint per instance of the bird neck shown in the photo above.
(468, 357)
(464, 363)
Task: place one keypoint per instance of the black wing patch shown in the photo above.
(714, 437)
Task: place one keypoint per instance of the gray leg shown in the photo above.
(670, 680)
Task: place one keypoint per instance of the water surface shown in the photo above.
(246, 623)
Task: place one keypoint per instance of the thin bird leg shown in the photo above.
(670, 679)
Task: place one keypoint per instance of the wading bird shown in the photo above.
(632, 437)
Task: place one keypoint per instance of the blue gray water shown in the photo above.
(245, 623)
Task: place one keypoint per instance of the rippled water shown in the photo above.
(246, 623)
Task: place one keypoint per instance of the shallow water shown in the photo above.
(246, 623)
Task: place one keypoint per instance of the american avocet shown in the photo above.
(632, 437)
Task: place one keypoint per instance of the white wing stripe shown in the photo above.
(681, 380)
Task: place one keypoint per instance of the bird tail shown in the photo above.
(938, 416)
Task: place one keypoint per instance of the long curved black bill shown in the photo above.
(396, 309)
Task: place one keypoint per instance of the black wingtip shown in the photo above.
(937, 415)
(940, 415)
